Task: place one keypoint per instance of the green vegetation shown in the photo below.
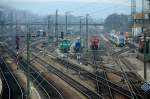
(117, 22)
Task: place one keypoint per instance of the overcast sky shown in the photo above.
(108, 1)
(96, 8)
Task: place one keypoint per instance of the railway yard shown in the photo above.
(56, 56)
(56, 77)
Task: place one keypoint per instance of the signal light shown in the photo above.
(17, 42)
(62, 35)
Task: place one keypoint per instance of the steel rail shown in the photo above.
(14, 82)
(7, 93)
(103, 81)
(38, 83)
(117, 59)
(102, 74)
(34, 72)
(84, 90)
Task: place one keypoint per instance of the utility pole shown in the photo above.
(17, 41)
(56, 27)
(66, 14)
(11, 22)
(28, 62)
(87, 31)
(81, 29)
(133, 14)
(2, 22)
(66, 21)
(16, 26)
(144, 32)
(49, 30)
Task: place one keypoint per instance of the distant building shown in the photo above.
(2, 20)
(138, 25)
(1, 15)
(147, 9)
(147, 13)
(140, 17)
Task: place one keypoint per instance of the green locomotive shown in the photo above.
(64, 46)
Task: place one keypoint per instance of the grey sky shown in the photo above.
(97, 8)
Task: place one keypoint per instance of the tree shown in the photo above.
(117, 22)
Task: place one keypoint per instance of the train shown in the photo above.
(117, 39)
(64, 46)
(141, 45)
(77, 46)
(41, 33)
(128, 36)
(94, 42)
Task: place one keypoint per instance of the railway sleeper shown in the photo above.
(51, 91)
(103, 81)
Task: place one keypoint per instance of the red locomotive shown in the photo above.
(141, 45)
(94, 42)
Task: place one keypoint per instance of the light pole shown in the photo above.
(143, 30)
(66, 23)
(56, 27)
(28, 62)
(81, 29)
(66, 20)
(49, 30)
(87, 30)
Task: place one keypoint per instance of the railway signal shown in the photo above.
(17, 48)
(62, 35)
(17, 43)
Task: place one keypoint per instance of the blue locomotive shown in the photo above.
(77, 45)
(118, 39)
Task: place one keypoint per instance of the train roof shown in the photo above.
(113, 34)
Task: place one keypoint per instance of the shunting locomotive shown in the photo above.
(77, 46)
(94, 42)
(64, 46)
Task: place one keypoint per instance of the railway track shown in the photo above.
(128, 65)
(84, 90)
(125, 92)
(128, 77)
(132, 88)
(102, 80)
(109, 87)
(47, 88)
(102, 89)
(11, 87)
(50, 90)
(43, 92)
